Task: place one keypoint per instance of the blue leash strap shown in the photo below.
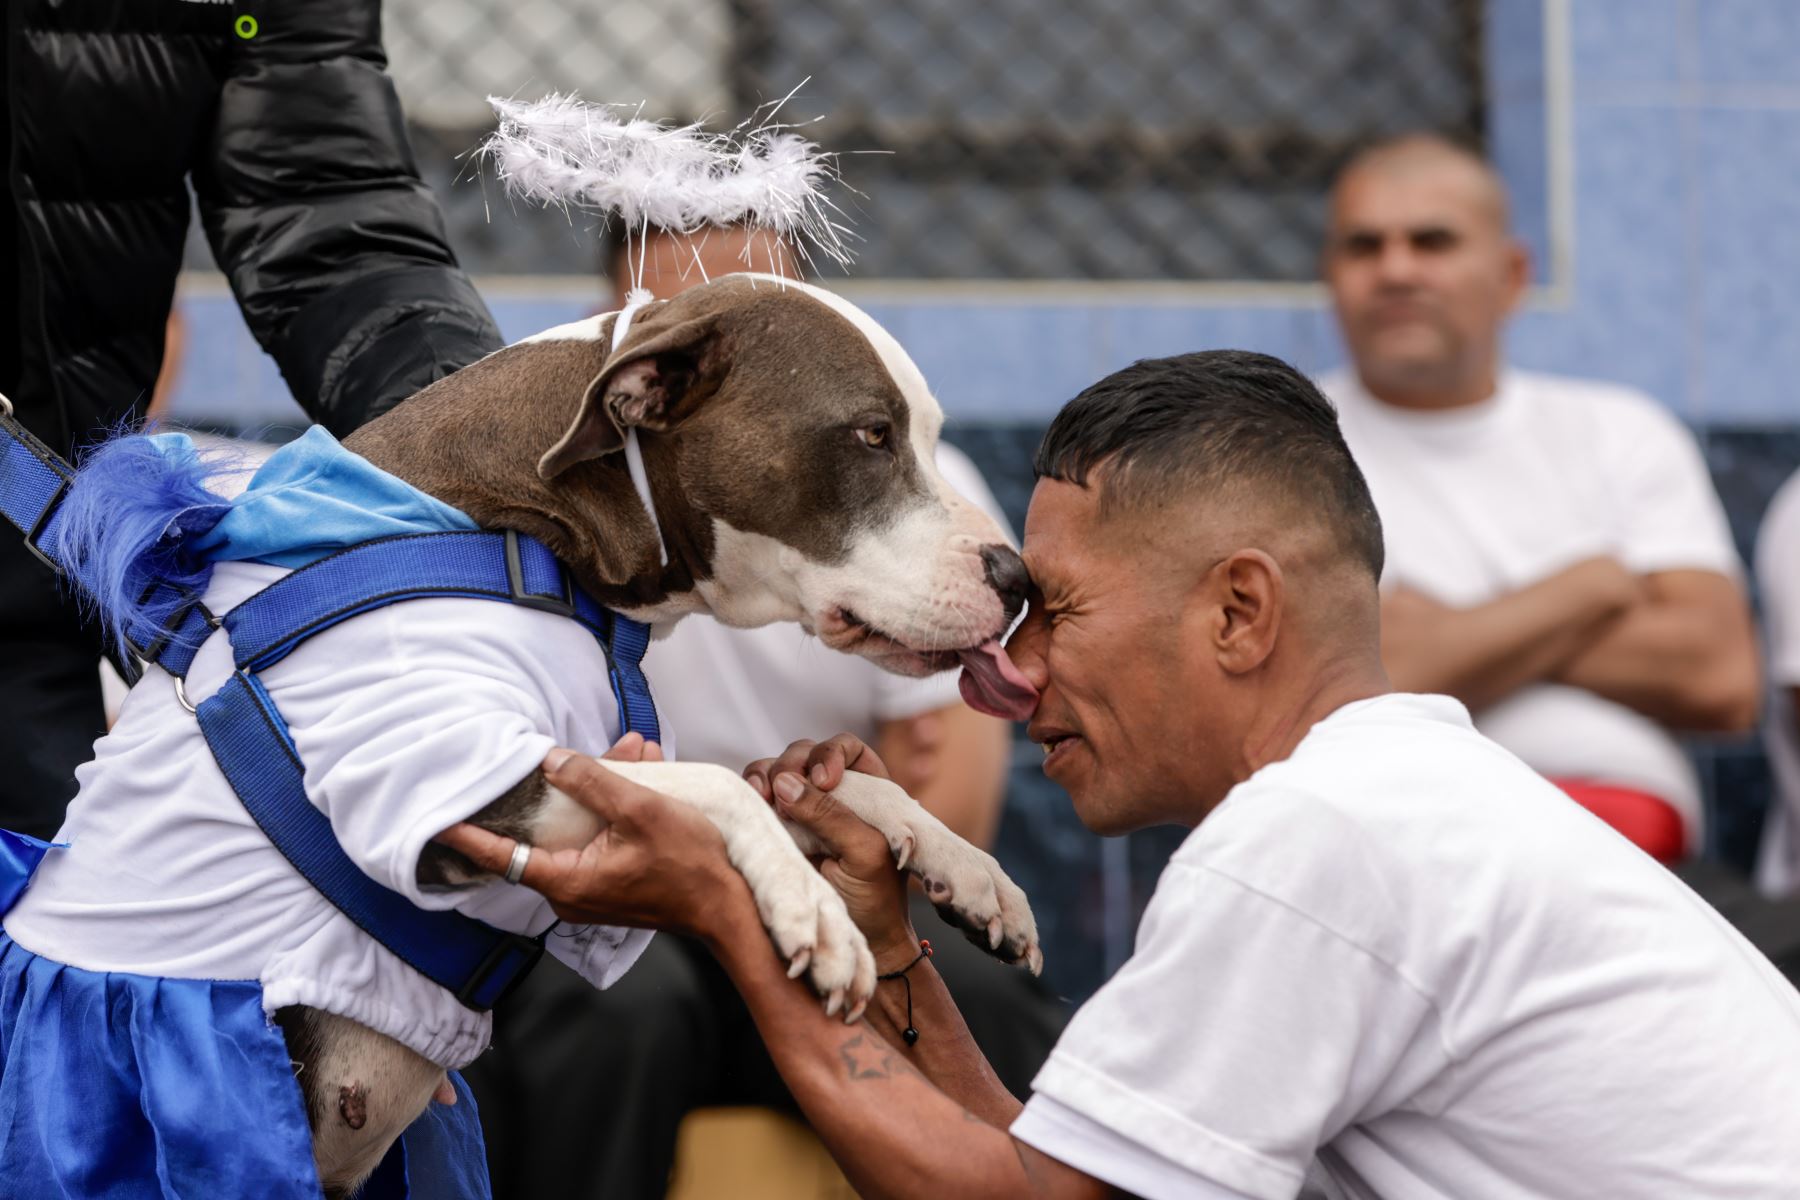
(33, 480)
(472, 960)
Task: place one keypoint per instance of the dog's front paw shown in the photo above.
(971, 892)
(815, 936)
(966, 885)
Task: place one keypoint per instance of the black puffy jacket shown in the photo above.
(293, 141)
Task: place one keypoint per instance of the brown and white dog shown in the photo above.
(788, 445)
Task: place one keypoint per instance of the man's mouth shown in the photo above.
(1058, 744)
(990, 682)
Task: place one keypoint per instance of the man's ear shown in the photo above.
(653, 381)
(1250, 596)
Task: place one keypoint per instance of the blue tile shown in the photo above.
(522, 316)
(1748, 226)
(1747, 41)
(1626, 42)
(1513, 46)
(1159, 331)
(1626, 319)
(1001, 360)
(1518, 148)
(225, 381)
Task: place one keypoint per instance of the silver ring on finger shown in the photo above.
(515, 870)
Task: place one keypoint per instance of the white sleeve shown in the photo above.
(1096, 1151)
(432, 710)
(1674, 518)
(1778, 577)
(896, 696)
(1240, 1037)
(424, 729)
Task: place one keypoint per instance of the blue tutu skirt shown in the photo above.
(131, 1087)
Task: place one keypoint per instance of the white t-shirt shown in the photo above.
(1403, 955)
(738, 695)
(1480, 501)
(1778, 576)
(409, 719)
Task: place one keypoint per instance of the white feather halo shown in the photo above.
(607, 159)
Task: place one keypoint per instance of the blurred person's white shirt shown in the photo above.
(1402, 959)
(1480, 501)
(735, 695)
(1778, 578)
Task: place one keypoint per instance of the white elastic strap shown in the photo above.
(634, 453)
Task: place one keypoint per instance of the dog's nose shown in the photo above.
(1006, 574)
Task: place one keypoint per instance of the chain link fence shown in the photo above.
(1012, 139)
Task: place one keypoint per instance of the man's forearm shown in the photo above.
(1686, 658)
(1483, 654)
(893, 1132)
(945, 1051)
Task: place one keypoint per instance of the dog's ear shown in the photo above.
(653, 381)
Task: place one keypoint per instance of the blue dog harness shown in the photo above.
(249, 739)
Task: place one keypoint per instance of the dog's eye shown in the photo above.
(875, 436)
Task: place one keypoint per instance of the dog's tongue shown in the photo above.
(991, 684)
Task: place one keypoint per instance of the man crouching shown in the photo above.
(1389, 959)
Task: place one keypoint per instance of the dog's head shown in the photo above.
(790, 447)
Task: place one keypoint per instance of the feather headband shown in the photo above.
(606, 159)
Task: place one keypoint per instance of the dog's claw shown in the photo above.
(903, 855)
(994, 933)
(1034, 961)
(801, 960)
(834, 1001)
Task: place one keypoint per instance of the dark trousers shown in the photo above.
(50, 706)
(583, 1091)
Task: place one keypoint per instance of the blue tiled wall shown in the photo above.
(1683, 273)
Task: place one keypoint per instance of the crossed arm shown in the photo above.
(1676, 646)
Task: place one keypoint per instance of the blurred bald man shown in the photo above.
(1557, 557)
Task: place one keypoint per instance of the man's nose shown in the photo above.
(1006, 575)
(1398, 265)
(1026, 648)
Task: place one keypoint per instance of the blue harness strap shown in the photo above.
(33, 479)
(248, 737)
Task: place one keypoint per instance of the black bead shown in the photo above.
(910, 1034)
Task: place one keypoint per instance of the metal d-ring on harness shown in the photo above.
(250, 740)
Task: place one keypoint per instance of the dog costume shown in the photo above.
(139, 967)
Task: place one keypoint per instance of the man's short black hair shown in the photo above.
(1205, 423)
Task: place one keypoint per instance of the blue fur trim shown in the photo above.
(135, 503)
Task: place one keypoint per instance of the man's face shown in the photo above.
(673, 263)
(1422, 273)
(1104, 644)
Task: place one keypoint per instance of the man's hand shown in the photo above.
(856, 859)
(823, 762)
(658, 863)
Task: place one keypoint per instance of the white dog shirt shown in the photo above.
(408, 719)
